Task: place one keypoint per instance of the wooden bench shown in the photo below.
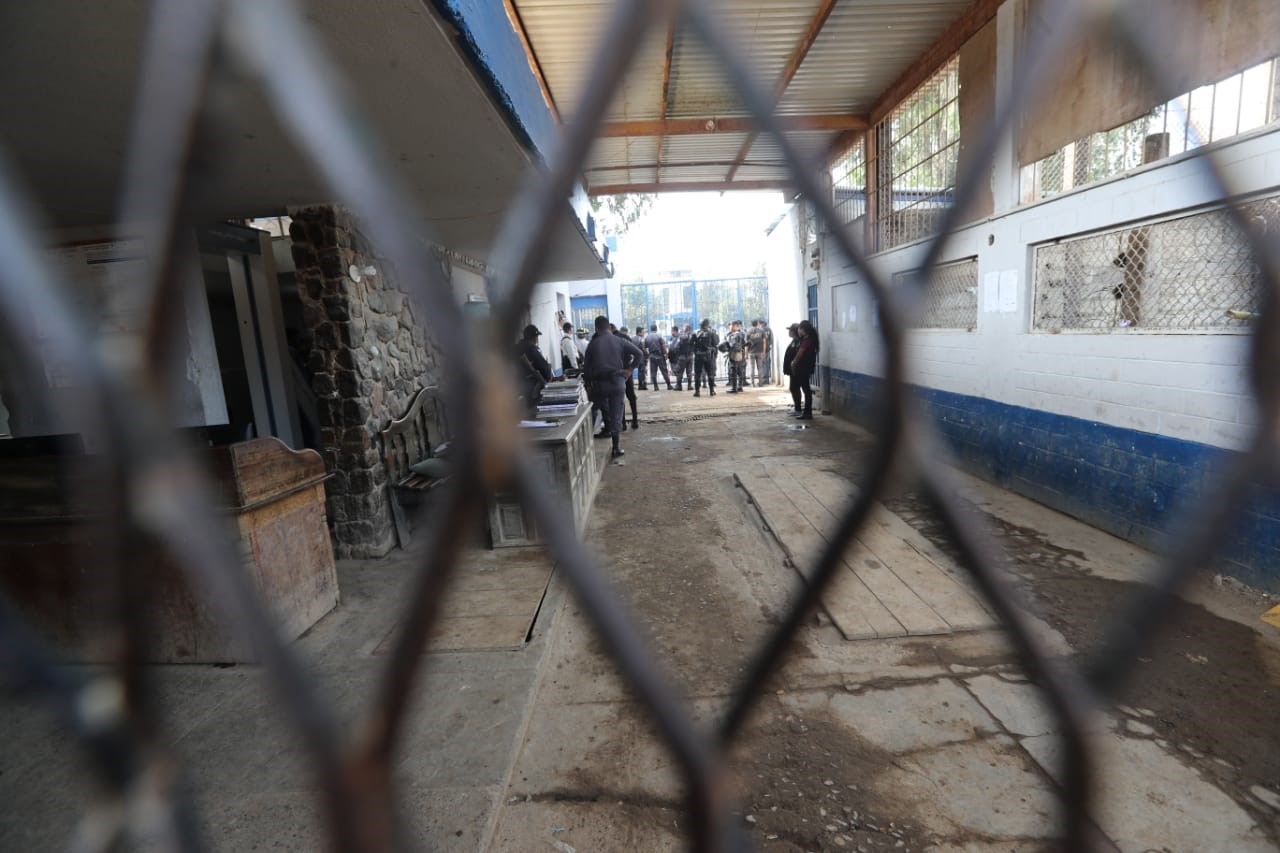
(421, 433)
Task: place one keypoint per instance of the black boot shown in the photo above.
(635, 422)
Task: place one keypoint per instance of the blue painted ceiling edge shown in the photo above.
(495, 52)
(490, 44)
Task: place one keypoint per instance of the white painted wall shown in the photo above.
(786, 283)
(1191, 386)
(544, 305)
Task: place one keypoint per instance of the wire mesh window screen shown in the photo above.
(1238, 104)
(1191, 273)
(918, 149)
(849, 183)
(951, 296)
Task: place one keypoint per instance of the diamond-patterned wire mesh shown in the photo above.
(159, 495)
(1189, 273)
(950, 298)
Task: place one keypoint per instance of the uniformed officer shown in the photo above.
(737, 352)
(705, 341)
(684, 357)
(673, 354)
(610, 360)
(638, 340)
(630, 387)
(656, 346)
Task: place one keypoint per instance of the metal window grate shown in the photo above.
(849, 183)
(155, 492)
(1240, 103)
(1190, 273)
(918, 151)
(951, 298)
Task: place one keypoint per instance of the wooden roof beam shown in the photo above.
(696, 126)
(964, 28)
(517, 24)
(690, 187)
(666, 89)
(684, 164)
(810, 36)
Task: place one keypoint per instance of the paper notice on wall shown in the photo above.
(1008, 291)
(991, 292)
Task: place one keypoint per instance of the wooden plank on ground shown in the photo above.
(857, 612)
(953, 601)
(950, 599)
(798, 538)
(822, 497)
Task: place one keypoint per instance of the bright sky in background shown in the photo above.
(712, 235)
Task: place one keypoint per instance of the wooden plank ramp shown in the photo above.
(888, 585)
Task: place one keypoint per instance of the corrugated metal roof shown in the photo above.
(863, 47)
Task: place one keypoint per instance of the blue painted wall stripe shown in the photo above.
(1133, 484)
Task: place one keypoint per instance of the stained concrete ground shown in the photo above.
(937, 743)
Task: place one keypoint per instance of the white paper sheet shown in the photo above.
(991, 292)
(1008, 291)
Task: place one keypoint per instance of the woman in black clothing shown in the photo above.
(788, 357)
(803, 364)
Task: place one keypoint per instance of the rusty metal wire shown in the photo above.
(161, 496)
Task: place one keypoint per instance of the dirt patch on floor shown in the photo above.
(807, 786)
(672, 555)
(1208, 686)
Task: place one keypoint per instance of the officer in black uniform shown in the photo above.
(656, 346)
(705, 342)
(684, 356)
(630, 388)
(533, 371)
(673, 354)
(609, 362)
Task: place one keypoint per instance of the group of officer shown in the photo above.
(692, 356)
(614, 359)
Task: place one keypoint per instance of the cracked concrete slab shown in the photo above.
(1149, 799)
(984, 787)
(1020, 708)
(905, 718)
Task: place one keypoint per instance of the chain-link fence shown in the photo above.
(951, 298)
(1189, 273)
(153, 492)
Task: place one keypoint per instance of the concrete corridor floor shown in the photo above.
(917, 743)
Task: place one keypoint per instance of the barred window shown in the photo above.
(1240, 103)
(951, 301)
(917, 150)
(1191, 273)
(849, 183)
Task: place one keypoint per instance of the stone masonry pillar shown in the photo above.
(367, 355)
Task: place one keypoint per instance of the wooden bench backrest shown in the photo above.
(414, 436)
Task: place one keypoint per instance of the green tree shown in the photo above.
(617, 213)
